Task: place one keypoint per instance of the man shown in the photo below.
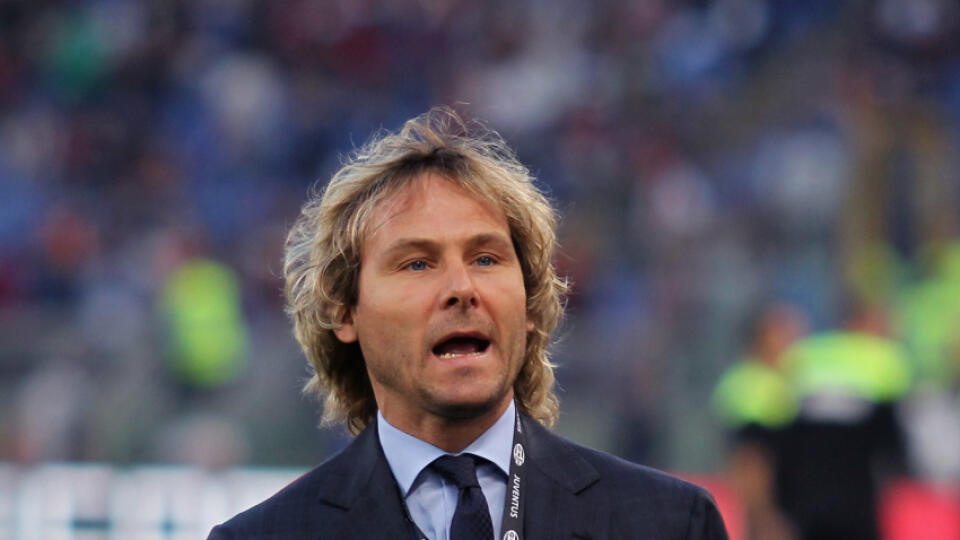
(847, 440)
(422, 291)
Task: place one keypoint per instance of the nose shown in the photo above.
(461, 291)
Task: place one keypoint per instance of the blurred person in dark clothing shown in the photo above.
(422, 289)
(846, 437)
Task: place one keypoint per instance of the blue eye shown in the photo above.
(485, 260)
(418, 265)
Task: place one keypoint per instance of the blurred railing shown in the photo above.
(104, 502)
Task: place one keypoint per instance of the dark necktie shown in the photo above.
(471, 520)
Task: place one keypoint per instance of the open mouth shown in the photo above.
(458, 346)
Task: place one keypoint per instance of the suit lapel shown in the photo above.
(377, 512)
(556, 478)
(362, 485)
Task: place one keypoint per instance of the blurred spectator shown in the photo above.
(930, 316)
(208, 336)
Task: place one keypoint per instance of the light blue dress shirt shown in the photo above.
(430, 498)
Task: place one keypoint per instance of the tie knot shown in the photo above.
(461, 470)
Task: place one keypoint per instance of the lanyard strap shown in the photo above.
(512, 523)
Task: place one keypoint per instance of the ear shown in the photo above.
(530, 325)
(347, 332)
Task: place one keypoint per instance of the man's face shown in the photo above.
(441, 311)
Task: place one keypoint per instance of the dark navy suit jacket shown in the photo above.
(572, 492)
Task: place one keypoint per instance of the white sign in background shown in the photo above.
(103, 502)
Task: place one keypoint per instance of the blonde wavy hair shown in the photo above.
(322, 254)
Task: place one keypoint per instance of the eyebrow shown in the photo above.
(495, 241)
(403, 245)
(410, 244)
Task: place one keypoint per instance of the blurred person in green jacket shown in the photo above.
(755, 402)
(928, 318)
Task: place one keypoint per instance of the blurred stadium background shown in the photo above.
(709, 157)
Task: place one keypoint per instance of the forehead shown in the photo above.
(431, 206)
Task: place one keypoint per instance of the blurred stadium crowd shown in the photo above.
(710, 159)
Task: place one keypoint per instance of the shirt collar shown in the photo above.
(408, 455)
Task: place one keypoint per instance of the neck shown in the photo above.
(446, 433)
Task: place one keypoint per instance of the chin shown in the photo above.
(466, 408)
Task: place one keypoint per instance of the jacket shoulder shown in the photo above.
(627, 478)
(279, 516)
(580, 468)
(642, 495)
(314, 499)
(627, 500)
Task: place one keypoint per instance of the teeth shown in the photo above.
(449, 355)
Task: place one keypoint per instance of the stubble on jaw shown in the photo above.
(432, 403)
(460, 412)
